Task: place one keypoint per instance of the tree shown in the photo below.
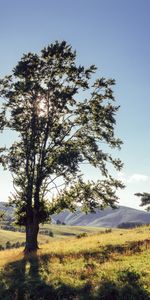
(145, 200)
(61, 118)
(1, 215)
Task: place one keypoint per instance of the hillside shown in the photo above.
(108, 266)
(107, 218)
(14, 237)
(57, 232)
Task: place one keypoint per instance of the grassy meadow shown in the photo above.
(65, 231)
(58, 231)
(102, 265)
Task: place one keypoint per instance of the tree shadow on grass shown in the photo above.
(22, 280)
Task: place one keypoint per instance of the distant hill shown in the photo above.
(107, 218)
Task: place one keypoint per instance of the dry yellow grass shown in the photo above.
(69, 267)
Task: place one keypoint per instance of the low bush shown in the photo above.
(81, 235)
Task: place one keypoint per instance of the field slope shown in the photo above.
(112, 265)
(58, 231)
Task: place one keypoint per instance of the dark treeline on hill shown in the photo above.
(123, 217)
(9, 245)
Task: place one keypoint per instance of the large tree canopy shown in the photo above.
(63, 119)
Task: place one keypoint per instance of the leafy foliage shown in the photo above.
(145, 200)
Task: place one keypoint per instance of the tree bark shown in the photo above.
(32, 229)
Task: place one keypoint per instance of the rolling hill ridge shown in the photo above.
(101, 218)
(107, 218)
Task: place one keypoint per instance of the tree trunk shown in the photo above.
(32, 229)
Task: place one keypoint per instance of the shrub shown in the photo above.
(80, 235)
(108, 230)
(8, 245)
(1, 247)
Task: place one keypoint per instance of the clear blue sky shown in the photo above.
(113, 35)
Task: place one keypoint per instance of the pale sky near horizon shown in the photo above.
(113, 35)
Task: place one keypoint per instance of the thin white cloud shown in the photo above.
(137, 178)
(134, 178)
